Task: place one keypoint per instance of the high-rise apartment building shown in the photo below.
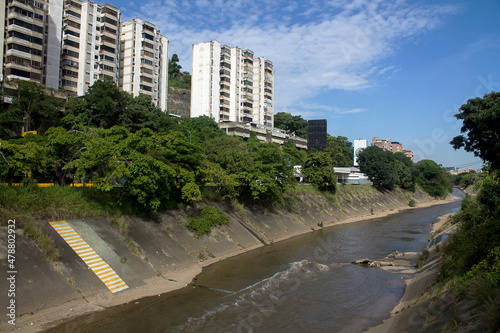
(70, 44)
(229, 85)
(144, 61)
(29, 36)
(90, 45)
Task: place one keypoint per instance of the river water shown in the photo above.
(304, 284)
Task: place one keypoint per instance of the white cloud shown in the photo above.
(314, 45)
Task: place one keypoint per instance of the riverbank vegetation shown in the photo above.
(139, 159)
(471, 260)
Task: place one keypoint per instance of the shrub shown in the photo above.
(207, 218)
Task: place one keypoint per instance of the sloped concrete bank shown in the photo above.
(159, 254)
(429, 306)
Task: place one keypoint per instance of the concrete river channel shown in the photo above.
(304, 284)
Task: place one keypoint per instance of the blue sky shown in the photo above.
(393, 69)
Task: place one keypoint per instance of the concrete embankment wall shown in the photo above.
(163, 246)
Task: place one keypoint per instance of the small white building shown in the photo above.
(351, 176)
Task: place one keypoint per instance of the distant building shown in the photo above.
(30, 35)
(71, 44)
(144, 61)
(392, 146)
(229, 85)
(262, 133)
(316, 134)
(351, 176)
(359, 145)
(90, 45)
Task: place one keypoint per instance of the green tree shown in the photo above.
(230, 152)
(150, 167)
(102, 106)
(406, 171)
(201, 129)
(294, 155)
(432, 178)
(380, 167)
(21, 158)
(481, 126)
(64, 146)
(270, 173)
(32, 108)
(318, 170)
(176, 78)
(105, 106)
(293, 124)
(174, 69)
(341, 151)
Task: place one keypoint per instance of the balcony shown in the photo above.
(248, 54)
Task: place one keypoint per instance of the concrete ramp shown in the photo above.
(103, 271)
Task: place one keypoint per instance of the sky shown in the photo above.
(393, 69)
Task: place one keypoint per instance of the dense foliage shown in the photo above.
(472, 262)
(176, 78)
(432, 178)
(481, 128)
(293, 124)
(131, 150)
(319, 172)
(387, 170)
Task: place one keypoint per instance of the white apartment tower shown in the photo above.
(229, 85)
(30, 39)
(90, 45)
(144, 61)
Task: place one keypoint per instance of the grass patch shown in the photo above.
(205, 219)
(422, 258)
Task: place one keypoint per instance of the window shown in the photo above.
(111, 30)
(108, 39)
(67, 62)
(148, 45)
(72, 13)
(69, 83)
(25, 49)
(71, 43)
(148, 36)
(17, 72)
(21, 11)
(70, 73)
(28, 38)
(71, 53)
(108, 68)
(72, 33)
(107, 48)
(110, 21)
(72, 24)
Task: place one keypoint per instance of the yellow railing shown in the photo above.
(50, 184)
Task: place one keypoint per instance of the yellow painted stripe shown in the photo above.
(58, 223)
(100, 268)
